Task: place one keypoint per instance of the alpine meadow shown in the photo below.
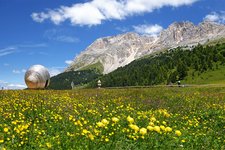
(112, 75)
(149, 118)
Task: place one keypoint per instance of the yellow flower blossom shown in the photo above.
(49, 145)
(106, 139)
(150, 128)
(100, 124)
(162, 127)
(91, 136)
(134, 127)
(115, 119)
(143, 131)
(6, 129)
(168, 129)
(85, 131)
(157, 129)
(178, 133)
(153, 119)
(105, 122)
(151, 123)
(1, 140)
(130, 119)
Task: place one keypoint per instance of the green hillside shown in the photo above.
(203, 64)
(97, 66)
(215, 76)
(79, 78)
(199, 65)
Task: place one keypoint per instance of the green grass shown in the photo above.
(83, 119)
(214, 42)
(216, 76)
(97, 66)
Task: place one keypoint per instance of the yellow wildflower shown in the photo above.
(151, 123)
(105, 122)
(168, 129)
(100, 124)
(157, 128)
(114, 119)
(85, 131)
(6, 129)
(1, 141)
(49, 145)
(106, 139)
(162, 127)
(153, 119)
(143, 131)
(150, 128)
(178, 133)
(91, 136)
(134, 127)
(130, 119)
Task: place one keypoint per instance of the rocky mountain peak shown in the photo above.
(179, 25)
(116, 51)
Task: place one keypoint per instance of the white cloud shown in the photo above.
(2, 82)
(68, 62)
(7, 85)
(68, 39)
(6, 64)
(122, 29)
(19, 48)
(7, 51)
(95, 11)
(19, 71)
(55, 70)
(16, 86)
(39, 17)
(147, 29)
(60, 35)
(16, 71)
(32, 45)
(216, 17)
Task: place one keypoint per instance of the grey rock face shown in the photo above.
(116, 51)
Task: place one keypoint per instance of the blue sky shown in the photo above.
(53, 32)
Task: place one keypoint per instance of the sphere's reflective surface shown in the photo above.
(37, 76)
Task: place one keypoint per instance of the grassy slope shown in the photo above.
(216, 76)
(98, 66)
(217, 41)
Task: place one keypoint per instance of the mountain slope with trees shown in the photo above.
(201, 64)
(168, 67)
(79, 78)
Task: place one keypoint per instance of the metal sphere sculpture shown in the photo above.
(37, 77)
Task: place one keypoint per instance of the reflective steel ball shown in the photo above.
(37, 77)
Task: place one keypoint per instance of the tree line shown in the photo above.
(166, 67)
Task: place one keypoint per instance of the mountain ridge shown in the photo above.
(119, 50)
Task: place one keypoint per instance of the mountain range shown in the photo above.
(110, 53)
